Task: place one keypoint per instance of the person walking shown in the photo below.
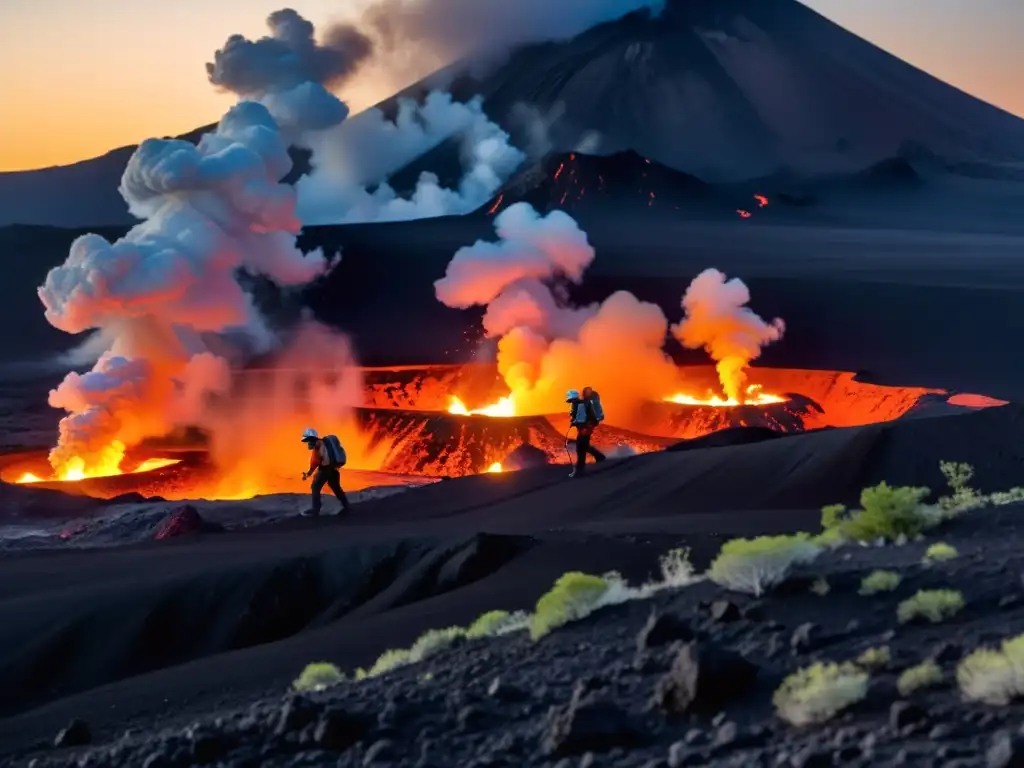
(585, 413)
(326, 458)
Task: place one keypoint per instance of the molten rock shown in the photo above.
(184, 521)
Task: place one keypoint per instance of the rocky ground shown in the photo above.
(684, 678)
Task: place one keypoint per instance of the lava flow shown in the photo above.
(753, 396)
(504, 408)
(107, 464)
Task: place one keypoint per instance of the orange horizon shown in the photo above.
(86, 85)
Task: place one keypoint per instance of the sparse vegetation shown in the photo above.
(875, 658)
(924, 675)
(963, 498)
(879, 581)
(887, 514)
(821, 587)
(932, 605)
(318, 676)
(994, 676)
(817, 693)
(494, 623)
(572, 597)
(756, 565)
(999, 498)
(939, 552)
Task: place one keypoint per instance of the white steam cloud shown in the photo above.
(547, 346)
(360, 154)
(414, 37)
(717, 319)
(165, 296)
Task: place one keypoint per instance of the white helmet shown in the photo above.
(572, 394)
(310, 434)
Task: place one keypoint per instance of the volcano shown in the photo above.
(724, 91)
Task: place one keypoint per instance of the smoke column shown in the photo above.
(416, 36)
(165, 295)
(362, 152)
(717, 319)
(545, 346)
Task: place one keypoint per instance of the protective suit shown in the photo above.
(585, 413)
(325, 470)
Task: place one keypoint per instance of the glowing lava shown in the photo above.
(106, 464)
(495, 467)
(753, 396)
(504, 408)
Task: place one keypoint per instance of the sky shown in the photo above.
(81, 77)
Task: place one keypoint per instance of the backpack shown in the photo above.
(595, 411)
(335, 450)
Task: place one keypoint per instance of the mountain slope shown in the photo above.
(722, 90)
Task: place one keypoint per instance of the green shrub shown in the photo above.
(756, 565)
(924, 675)
(875, 658)
(572, 597)
(391, 659)
(887, 513)
(963, 498)
(495, 623)
(880, 581)
(994, 676)
(1000, 498)
(434, 640)
(820, 587)
(938, 552)
(815, 694)
(932, 605)
(318, 676)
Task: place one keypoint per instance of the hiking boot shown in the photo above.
(311, 513)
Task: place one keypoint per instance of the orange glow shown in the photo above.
(504, 408)
(743, 214)
(753, 396)
(497, 203)
(495, 467)
(106, 464)
(762, 201)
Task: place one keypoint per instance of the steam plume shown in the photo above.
(717, 319)
(547, 346)
(362, 152)
(165, 296)
(419, 34)
(290, 71)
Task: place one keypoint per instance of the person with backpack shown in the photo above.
(326, 458)
(585, 413)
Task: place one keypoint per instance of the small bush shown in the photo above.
(880, 581)
(994, 676)
(875, 658)
(932, 605)
(924, 675)
(391, 659)
(887, 514)
(1011, 496)
(572, 597)
(963, 498)
(434, 640)
(939, 552)
(756, 565)
(816, 693)
(820, 587)
(318, 676)
(495, 623)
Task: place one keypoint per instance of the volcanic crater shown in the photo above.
(418, 424)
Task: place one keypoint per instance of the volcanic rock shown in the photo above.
(525, 456)
(587, 724)
(76, 734)
(184, 521)
(724, 610)
(703, 679)
(661, 629)
(338, 729)
(1006, 751)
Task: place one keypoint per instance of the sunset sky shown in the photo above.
(78, 77)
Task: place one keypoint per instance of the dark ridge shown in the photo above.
(57, 647)
(728, 437)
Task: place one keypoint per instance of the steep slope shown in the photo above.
(728, 90)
